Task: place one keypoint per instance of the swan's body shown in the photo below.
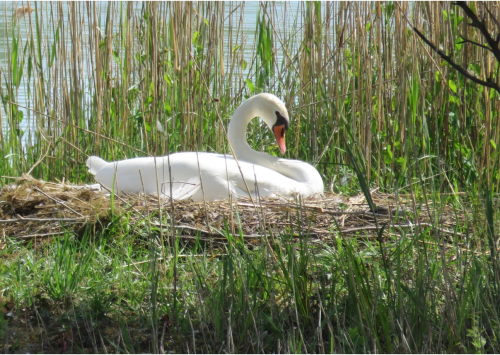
(264, 174)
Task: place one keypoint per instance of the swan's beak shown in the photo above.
(279, 133)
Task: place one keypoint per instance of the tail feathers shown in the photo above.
(95, 164)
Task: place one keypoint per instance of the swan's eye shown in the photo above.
(281, 121)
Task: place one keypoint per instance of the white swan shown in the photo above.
(264, 174)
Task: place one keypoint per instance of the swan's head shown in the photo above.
(274, 113)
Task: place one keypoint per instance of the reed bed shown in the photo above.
(149, 79)
(399, 255)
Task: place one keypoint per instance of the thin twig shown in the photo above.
(23, 219)
(38, 235)
(369, 228)
(59, 202)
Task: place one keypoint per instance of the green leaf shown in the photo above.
(53, 54)
(14, 59)
(401, 160)
(250, 85)
(389, 8)
(492, 93)
(195, 37)
(452, 85)
(168, 109)
(388, 154)
(493, 144)
(353, 332)
(454, 99)
(20, 116)
(30, 66)
(167, 79)
(116, 55)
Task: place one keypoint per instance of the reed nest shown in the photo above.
(34, 209)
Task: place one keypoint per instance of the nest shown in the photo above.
(34, 209)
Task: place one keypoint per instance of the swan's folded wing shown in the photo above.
(181, 190)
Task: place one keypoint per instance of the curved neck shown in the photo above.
(237, 134)
(237, 130)
(306, 176)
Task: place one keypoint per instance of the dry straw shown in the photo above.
(34, 209)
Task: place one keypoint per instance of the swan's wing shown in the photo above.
(181, 190)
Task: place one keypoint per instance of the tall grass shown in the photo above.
(370, 105)
(103, 293)
(99, 78)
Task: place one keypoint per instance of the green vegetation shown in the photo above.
(371, 106)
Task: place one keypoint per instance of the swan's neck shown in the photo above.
(306, 177)
(299, 171)
(237, 134)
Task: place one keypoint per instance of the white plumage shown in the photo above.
(200, 175)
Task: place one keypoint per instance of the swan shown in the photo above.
(209, 176)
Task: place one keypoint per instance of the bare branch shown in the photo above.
(492, 17)
(488, 83)
(465, 40)
(476, 22)
(492, 45)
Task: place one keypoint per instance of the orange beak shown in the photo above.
(279, 133)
